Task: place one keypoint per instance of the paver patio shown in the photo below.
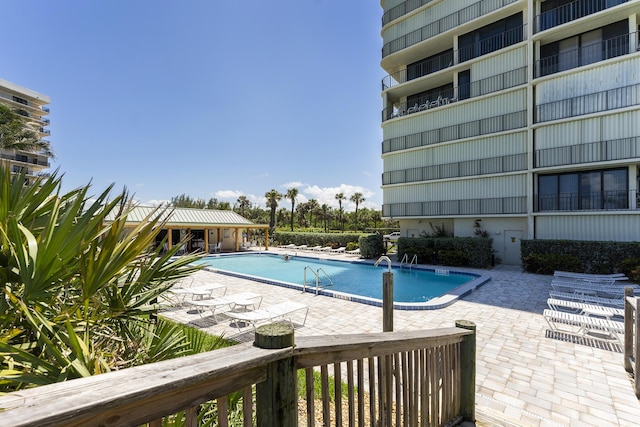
(525, 377)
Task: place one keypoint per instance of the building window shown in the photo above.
(20, 100)
(490, 38)
(586, 48)
(579, 191)
(464, 84)
(558, 12)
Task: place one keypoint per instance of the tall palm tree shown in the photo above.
(324, 212)
(340, 197)
(357, 198)
(292, 193)
(312, 208)
(273, 197)
(243, 203)
(16, 134)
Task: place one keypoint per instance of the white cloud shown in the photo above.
(154, 202)
(293, 184)
(228, 194)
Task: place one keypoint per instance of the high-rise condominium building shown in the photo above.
(32, 106)
(520, 118)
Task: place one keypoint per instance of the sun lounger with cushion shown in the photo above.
(282, 310)
(583, 326)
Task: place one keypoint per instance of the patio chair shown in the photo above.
(585, 308)
(354, 252)
(326, 249)
(281, 310)
(315, 248)
(339, 250)
(589, 277)
(242, 300)
(590, 299)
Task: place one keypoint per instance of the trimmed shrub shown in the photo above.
(335, 240)
(478, 251)
(453, 258)
(548, 263)
(631, 268)
(371, 246)
(593, 256)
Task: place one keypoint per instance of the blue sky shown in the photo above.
(205, 97)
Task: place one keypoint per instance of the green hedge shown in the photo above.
(371, 246)
(477, 251)
(578, 255)
(315, 239)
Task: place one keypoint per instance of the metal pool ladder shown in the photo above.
(405, 260)
(317, 276)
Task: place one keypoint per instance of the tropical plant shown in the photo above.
(243, 203)
(292, 193)
(340, 197)
(80, 288)
(273, 197)
(16, 134)
(356, 198)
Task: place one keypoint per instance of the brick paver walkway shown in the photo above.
(524, 376)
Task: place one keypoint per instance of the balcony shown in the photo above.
(501, 123)
(449, 22)
(495, 206)
(572, 11)
(601, 151)
(402, 9)
(415, 378)
(502, 164)
(588, 54)
(482, 87)
(612, 99)
(583, 201)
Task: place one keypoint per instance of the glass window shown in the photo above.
(464, 84)
(548, 192)
(569, 192)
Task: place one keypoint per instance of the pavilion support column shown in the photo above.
(206, 240)
(266, 239)
(236, 239)
(170, 237)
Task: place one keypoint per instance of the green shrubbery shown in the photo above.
(545, 256)
(335, 240)
(371, 246)
(476, 252)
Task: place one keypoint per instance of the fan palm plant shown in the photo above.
(79, 288)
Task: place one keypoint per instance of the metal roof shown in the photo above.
(190, 217)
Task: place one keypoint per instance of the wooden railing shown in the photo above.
(632, 336)
(416, 378)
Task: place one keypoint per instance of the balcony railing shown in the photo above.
(402, 9)
(414, 378)
(23, 159)
(453, 20)
(601, 151)
(492, 44)
(572, 11)
(583, 201)
(487, 206)
(626, 96)
(585, 55)
(502, 164)
(501, 123)
(482, 87)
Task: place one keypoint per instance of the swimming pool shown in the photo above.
(414, 289)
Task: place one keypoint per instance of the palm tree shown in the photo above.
(243, 203)
(312, 208)
(273, 197)
(324, 212)
(16, 134)
(340, 197)
(292, 193)
(357, 198)
(80, 289)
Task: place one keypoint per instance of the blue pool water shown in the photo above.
(353, 278)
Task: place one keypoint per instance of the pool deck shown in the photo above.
(525, 375)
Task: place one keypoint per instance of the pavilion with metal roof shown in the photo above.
(203, 228)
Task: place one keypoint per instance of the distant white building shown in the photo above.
(524, 114)
(33, 106)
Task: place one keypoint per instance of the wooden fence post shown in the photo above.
(468, 372)
(277, 396)
(387, 301)
(628, 329)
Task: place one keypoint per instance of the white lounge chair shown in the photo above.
(197, 292)
(586, 309)
(588, 288)
(339, 250)
(229, 302)
(326, 249)
(354, 252)
(315, 248)
(282, 310)
(589, 277)
(590, 299)
(583, 326)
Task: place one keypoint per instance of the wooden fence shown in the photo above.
(632, 336)
(414, 378)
